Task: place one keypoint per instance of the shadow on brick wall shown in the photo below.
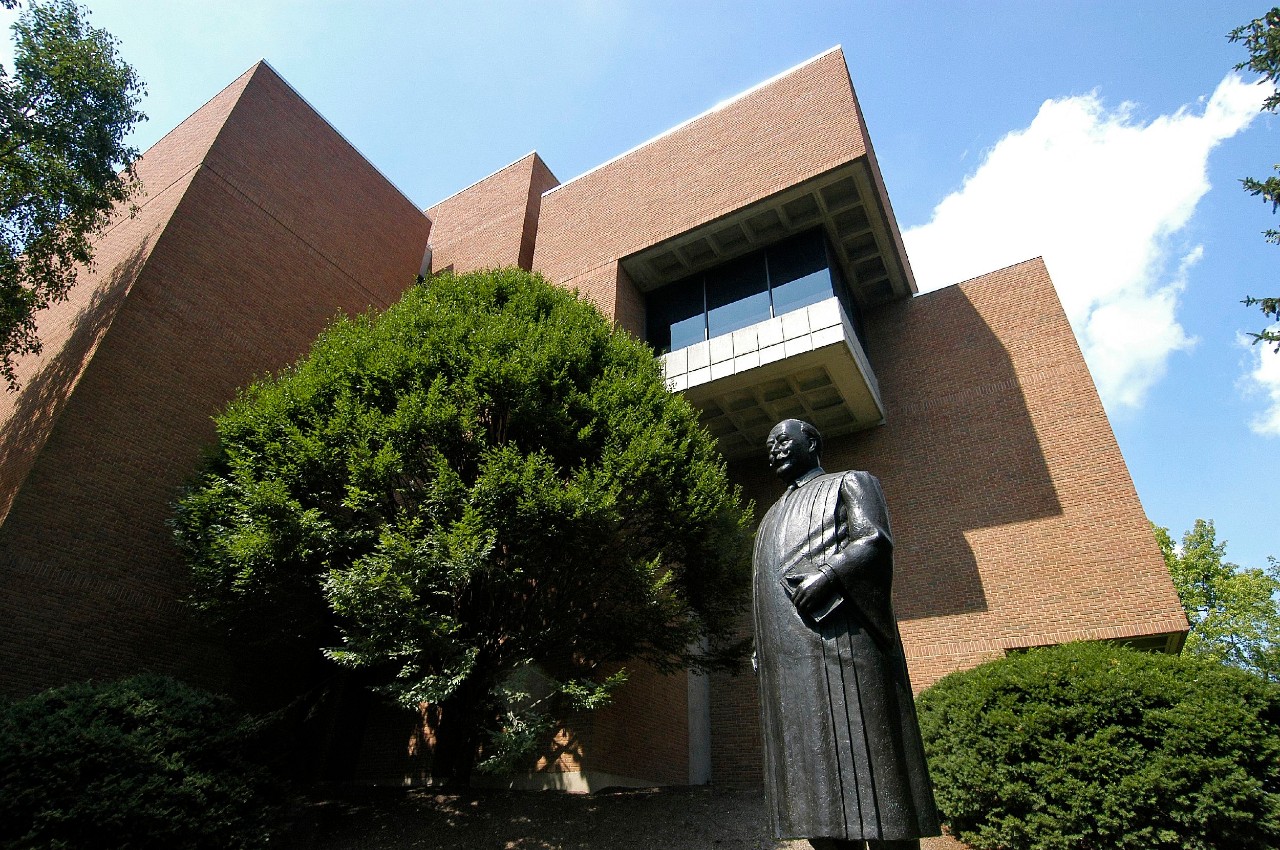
(958, 455)
(38, 402)
(959, 451)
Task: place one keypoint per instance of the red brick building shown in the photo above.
(755, 245)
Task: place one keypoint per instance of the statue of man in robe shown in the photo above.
(844, 763)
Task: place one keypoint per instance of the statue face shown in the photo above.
(791, 452)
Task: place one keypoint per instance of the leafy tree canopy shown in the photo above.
(1261, 38)
(1234, 612)
(64, 114)
(485, 476)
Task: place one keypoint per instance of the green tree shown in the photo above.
(485, 477)
(64, 166)
(1234, 612)
(1261, 38)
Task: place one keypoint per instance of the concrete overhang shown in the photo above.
(845, 201)
(807, 364)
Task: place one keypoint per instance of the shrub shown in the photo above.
(1094, 746)
(143, 762)
(486, 476)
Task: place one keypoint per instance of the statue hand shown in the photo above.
(810, 596)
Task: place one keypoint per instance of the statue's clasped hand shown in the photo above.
(813, 594)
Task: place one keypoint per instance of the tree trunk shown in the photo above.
(457, 724)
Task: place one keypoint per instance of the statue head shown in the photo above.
(794, 449)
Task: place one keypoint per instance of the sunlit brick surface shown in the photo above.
(260, 224)
(793, 128)
(493, 222)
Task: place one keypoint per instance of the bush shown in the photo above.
(144, 762)
(487, 476)
(1093, 746)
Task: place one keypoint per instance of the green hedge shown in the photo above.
(141, 763)
(1093, 746)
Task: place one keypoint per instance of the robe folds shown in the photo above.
(843, 755)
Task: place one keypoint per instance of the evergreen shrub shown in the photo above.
(487, 477)
(1091, 746)
(145, 762)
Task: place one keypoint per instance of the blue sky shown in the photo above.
(1108, 137)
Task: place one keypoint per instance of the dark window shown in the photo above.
(791, 274)
(737, 295)
(676, 317)
(851, 308)
(798, 272)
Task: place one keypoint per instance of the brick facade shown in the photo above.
(493, 222)
(259, 224)
(779, 134)
(1016, 521)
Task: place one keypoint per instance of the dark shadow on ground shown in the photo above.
(650, 819)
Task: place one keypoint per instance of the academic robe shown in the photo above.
(843, 755)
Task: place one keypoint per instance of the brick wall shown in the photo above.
(70, 330)
(644, 732)
(640, 738)
(493, 222)
(1019, 522)
(790, 129)
(274, 225)
(1016, 523)
(737, 754)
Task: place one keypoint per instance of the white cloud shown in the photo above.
(1102, 196)
(1264, 378)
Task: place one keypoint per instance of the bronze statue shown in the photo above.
(844, 762)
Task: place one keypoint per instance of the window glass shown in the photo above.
(688, 331)
(675, 315)
(784, 277)
(737, 295)
(851, 308)
(798, 272)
